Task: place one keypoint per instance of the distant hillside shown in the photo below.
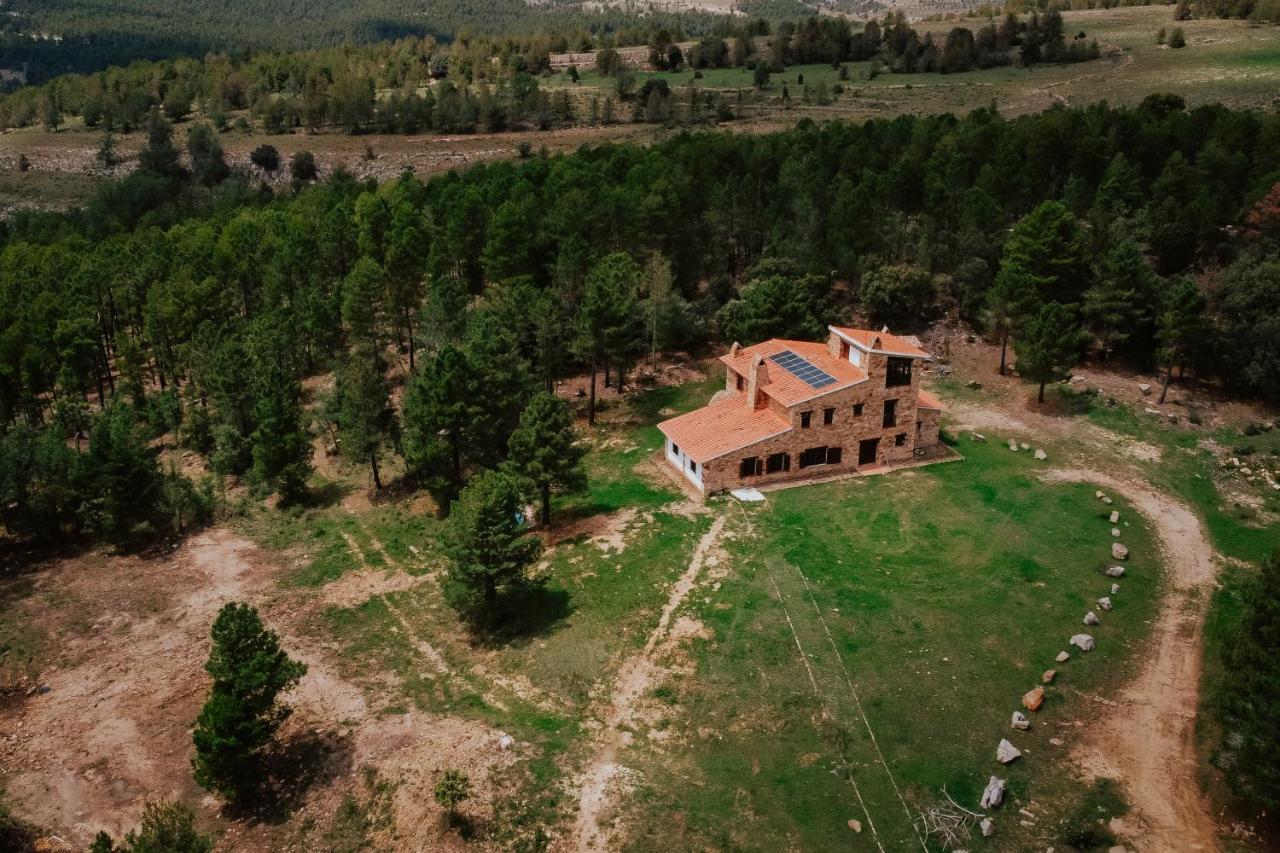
(40, 39)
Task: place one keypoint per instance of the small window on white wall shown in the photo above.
(693, 466)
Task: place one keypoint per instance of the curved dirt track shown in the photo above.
(1148, 740)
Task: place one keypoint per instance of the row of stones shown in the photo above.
(1006, 752)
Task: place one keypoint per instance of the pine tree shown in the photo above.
(118, 476)
(1249, 700)
(607, 324)
(208, 165)
(1118, 307)
(488, 546)
(1183, 330)
(502, 386)
(438, 417)
(544, 454)
(241, 716)
(366, 421)
(1049, 245)
(160, 156)
(1048, 345)
(1009, 301)
(281, 445)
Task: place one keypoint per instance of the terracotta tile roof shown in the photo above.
(887, 343)
(784, 386)
(721, 427)
(925, 400)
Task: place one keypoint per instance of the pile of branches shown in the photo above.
(948, 823)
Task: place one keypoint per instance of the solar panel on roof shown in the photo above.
(815, 377)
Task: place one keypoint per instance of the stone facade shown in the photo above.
(847, 419)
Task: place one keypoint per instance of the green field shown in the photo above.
(938, 596)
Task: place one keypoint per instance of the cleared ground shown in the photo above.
(1229, 62)
(690, 677)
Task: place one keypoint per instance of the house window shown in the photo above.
(828, 415)
(898, 373)
(890, 413)
(833, 456)
(740, 382)
(813, 456)
(777, 462)
(805, 417)
(693, 466)
(675, 449)
(749, 467)
(857, 410)
(900, 440)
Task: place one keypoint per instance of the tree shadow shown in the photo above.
(528, 611)
(297, 764)
(326, 494)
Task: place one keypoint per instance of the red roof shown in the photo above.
(722, 427)
(880, 342)
(925, 400)
(783, 385)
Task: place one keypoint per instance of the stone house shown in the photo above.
(794, 410)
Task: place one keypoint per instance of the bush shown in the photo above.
(167, 827)
(1177, 38)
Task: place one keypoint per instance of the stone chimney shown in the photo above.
(757, 375)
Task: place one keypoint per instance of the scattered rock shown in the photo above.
(1099, 495)
(1091, 618)
(1144, 388)
(1013, 445)
(1115, 516)
(974, 384)
(978, 437)
(1020, 722)
(1040, 454)
(1115, 587)
(988, 827)
(506, 741)
(1115, 531)
(1007, 752)
(855, 825)
(1115, 571)
(1104, 603)
(1062, 657)
(1119, 551)
(1024, 446)
(993, 794)
(1083, 642)
(1033, 699)
(1049, 676)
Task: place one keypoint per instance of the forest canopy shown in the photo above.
(192, 302)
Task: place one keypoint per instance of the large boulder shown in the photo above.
(1033, 699)
(993, 794)
(1115, 516)
(1115, 572)
(1007, 753)
(1020, 721)
(1104, 602)
(1040, 454)
(1091, 618)
(988, 827)
(1083, 642)
(1119, 551)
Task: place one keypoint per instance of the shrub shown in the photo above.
(1177, 38)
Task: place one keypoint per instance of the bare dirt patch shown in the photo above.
(126, 683)
(604, 776)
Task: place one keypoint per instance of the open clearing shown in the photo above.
(1229, 62)
(728, 676)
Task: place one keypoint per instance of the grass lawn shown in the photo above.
(947, 591)
(918, 605)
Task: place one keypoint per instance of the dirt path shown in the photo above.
(1148, 740)
(635, 677)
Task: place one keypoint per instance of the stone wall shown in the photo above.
(845, 432)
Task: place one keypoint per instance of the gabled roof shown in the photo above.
(925, 400)
(881, 342)
(722, 427)
(783, 385)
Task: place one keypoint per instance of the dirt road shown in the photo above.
(1148, 739)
